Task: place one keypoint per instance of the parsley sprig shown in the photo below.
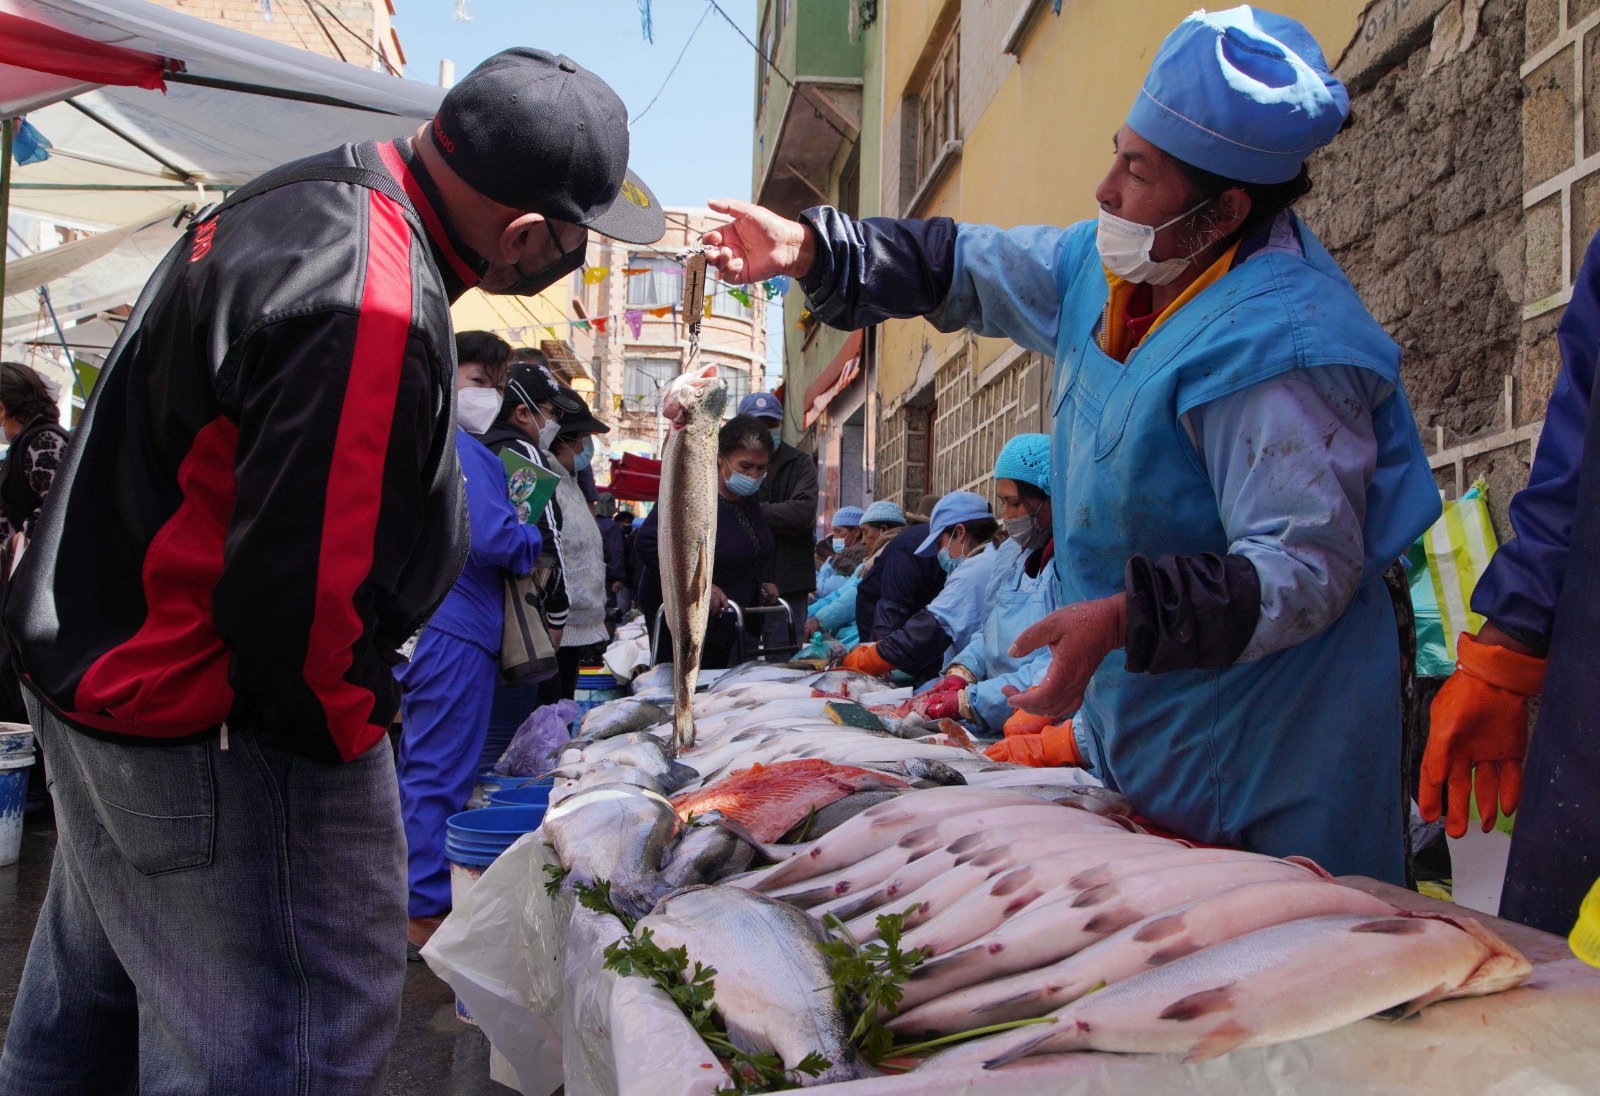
(869, 979)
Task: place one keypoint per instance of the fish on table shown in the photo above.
(618, 833)
(1289, 981)
(687, 512)
(773, 987)
(770, 800)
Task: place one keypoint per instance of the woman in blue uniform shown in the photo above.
(1230, 425)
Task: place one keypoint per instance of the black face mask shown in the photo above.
(530, 283)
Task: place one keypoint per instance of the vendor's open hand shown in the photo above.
(1079, 637)
(717, 601)
(757, 244)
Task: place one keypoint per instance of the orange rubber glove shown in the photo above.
(1053, 746)
(1479, 721)
(865, 659)
(1020, 722)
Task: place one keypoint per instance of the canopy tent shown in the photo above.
(201, 109)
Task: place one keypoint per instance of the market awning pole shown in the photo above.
(5, 207)
(72, 363)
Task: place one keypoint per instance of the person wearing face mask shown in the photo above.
(789, 507)
(262, 503)
(741, 559)
(582, 550)
(844, 553)
(834, 611)
(449, 681)
(1230, 427)
(959, 537)
(979, 680)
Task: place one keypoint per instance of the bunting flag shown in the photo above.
(594, 275)
(662, 312)
(709, 297)
(581, 325)
(635, 271)
(552, 333)
(600, 323)
(740, 295)
(635, 321)
(775, 286)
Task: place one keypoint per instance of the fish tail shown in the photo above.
(1020, 1043)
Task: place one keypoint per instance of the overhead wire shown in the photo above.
(801, 92)
(636, 118)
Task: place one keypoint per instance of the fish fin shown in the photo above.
(1012, 881)
(1160, 928)
(1215, 999)
(679, 775)
(809, 897)
(1391, 926)
(1091, 877)
(1218, 1041)
(1014, 999)
(987, 857)
(1416, 1005)
(1095, 895)
(765, 848)
(964, 844)
(1027, 1040)
(957, 960)
(1112, 920)
(854, 908)
(1310, 865)
(1175, 950)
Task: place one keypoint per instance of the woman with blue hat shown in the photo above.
(979, 681)
(960, 536)
(1231, 427)
(845, 553)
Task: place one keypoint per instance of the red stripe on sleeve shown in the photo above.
(355, 480)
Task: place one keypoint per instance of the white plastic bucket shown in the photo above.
(16, 757)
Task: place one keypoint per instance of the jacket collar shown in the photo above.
(462, 267)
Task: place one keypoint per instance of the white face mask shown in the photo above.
(476, 409)
(1125, 249)
(547, 433)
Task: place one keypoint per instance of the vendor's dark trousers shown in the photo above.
(218, 921)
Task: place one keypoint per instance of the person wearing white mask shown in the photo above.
(742, 558)
(449, 682)
(582, 550)
(1230, 428)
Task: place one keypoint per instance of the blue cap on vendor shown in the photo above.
(960, 525)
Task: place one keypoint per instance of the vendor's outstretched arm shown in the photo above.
(1002, 283)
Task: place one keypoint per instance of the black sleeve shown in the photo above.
(796, 512)
(1190, 612)
(648, 587)
(916, 645)
(877, 269)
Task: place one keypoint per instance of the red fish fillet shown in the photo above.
(770, 800)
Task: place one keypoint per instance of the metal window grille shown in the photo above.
(973, 424)
(937, 103)
(643, 379)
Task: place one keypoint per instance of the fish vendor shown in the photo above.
(1540, 599)
(959, 535)
(834, 610)
(978, 682)
(1230, 427)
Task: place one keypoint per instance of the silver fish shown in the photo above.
(687, 513)
(645, 752)
(772, 986)
(1143, 945)
(834, 815)
(601, 772)
(706, 853)
(618, 833)
(851, 683)
(747, 672)
(1286, 982)
(617, 717)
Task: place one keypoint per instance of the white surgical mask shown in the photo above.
(838, 544)
(1025, 531)
(1125, 249)
(476, 408)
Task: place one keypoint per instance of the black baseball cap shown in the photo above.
(530, 383)
(535, 131)
(579, 420)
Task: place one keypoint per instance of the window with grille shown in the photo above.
(663, 284)
(738, 386)
(937, 104)
(724, 303)
(643, 379)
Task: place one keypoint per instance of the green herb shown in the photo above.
(555, 875)
(597, 896)
(917, 1050)
(869, 980)
(805, 826)
(638, 955)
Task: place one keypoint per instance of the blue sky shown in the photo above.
(694, 144)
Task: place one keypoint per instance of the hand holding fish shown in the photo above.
(1079, 637)
(758, 244)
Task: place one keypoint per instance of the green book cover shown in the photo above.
(529, 486)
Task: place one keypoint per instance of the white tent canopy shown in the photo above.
(125, 157)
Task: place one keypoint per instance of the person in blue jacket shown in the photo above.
(448, 684)
(960, 537)
(1230, 427)
(895, 583)
(1540, 600)
(983, 675)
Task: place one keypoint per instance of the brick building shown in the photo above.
(360, 32)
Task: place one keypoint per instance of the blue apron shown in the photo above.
(1016, 602)
(1297, 752)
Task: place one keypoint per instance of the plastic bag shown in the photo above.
(539, 741)
(1444, 565)
(821, 647)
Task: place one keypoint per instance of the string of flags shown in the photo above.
(633, 318)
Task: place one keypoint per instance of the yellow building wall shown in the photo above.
(521, 321)
(1042, 144)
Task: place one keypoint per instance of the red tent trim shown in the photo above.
(26, 44)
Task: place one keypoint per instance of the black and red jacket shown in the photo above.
(262, 501)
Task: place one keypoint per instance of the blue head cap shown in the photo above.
(1026, 459)
(763, 405)
(1242, 93)
(953, 509)
(884, 511)
(847, 517)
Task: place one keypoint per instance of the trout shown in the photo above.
(687, 513)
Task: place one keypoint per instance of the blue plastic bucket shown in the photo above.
(490, 782)
(596, 685)
(531, 795)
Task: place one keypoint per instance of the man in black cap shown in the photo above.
(261, 505)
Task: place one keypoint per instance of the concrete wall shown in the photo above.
(307, 25)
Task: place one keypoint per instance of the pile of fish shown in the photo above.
(1033, 896)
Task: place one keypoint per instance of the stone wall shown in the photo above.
(304, 24)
